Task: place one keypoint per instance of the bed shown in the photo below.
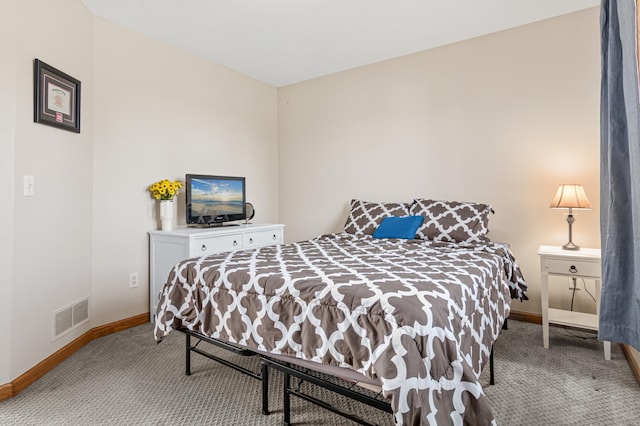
(416, 315)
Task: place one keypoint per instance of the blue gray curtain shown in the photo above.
(620, 174)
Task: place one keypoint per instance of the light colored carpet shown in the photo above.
(126, 379)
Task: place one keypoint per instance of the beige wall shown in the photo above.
(161, 113)
(501, 119)
(148, 112)
(7, 148)
(51, 261)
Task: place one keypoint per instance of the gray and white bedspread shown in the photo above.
(419, 316)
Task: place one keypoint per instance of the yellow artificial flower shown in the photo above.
(165, 189)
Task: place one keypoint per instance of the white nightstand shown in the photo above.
(583, 263)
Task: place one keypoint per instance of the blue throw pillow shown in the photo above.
(398, 227)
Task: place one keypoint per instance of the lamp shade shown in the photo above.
(570, 196)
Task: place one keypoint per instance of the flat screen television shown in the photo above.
(214, 200)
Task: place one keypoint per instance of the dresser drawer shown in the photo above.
(262, 238)
(217, 244)
(573, 267)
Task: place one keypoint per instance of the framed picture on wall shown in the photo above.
(56, 98)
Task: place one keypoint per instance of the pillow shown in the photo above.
(364, 217)
(398, 227)
(452, 221)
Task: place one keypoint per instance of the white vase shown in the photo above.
(166, 214)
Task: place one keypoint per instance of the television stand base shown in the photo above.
(211, 225)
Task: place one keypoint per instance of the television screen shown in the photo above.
(214, 199)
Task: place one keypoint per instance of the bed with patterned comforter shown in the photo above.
(418, 316)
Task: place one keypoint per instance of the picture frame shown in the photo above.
(56, 97)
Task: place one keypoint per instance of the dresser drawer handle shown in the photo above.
(204, 247)
(573, 269)
(250, 240)
(235, 243)
(274, 237)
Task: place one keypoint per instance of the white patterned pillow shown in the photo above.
(452, 221)
(364, 217)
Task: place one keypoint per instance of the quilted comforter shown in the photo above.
(418, 316)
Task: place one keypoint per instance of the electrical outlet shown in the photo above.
(29, 186)
(133, 280)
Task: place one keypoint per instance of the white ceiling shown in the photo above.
(281, 42)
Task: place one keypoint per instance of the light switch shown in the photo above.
(29, 186)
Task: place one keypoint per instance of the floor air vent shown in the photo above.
(63, 321)
(81, 312)
(71, 316)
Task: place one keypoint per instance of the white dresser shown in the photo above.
(167, 248)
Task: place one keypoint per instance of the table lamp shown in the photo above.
(570, 196)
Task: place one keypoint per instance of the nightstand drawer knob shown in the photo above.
(573, 269)
(204, 247)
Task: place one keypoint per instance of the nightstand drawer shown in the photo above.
(217, 244)
(573, 267)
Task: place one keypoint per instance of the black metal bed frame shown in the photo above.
(291, 370)
(310, 376)
(263, 376)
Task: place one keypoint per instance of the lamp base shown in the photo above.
(570, 246)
